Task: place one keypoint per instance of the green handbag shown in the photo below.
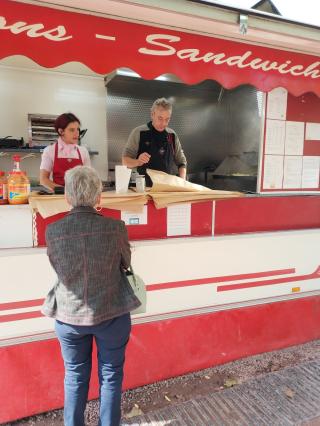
(139, 289)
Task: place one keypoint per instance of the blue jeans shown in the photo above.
(76, 346)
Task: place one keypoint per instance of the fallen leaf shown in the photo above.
(228, 383)
(289, 392)
(167, 398)
(136, 411)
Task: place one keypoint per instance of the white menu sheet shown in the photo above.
(275, 137)
(292, 172)
(273, 172)
(310, 172)
(277, 104)
(294, 139)
(179, 220)
(313, 131)
(130, 218)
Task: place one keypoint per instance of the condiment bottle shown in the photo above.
(18, 184)
(3, 188)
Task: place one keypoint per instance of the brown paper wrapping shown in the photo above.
(162, 200)
(49, 205)
(169, 189)
(166, 190)
(163, 182)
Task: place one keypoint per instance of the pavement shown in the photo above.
(290, 396)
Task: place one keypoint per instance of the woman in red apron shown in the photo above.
(63, 154)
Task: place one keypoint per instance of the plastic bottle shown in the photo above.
(3, 188)
(18, 184)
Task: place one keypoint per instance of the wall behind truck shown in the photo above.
(24, 91)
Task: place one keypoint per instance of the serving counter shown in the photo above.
(25, 225)
(220, 217)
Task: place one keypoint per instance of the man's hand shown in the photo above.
(143, 158)
(183, 172)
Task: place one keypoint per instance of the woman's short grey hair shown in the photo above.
(162, 103)
(82, 186)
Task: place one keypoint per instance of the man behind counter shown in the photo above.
(154, 145)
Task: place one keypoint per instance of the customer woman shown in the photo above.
(64, 154)
(92, 297)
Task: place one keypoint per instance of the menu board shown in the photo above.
(294, 138)
(310, 172)
(292, 171)
(290, 159)
(179, 220)
(277, 104)
(275, 137)
(273, 171)
(313, 131)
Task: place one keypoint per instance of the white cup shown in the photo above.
(122, 179)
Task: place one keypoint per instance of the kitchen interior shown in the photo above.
(220, 130)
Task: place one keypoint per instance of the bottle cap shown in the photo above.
(16, 158)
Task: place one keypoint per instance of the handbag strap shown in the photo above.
(133, 275)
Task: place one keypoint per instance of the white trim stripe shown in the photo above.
(104, 37)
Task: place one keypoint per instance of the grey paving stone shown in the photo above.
(262, 401)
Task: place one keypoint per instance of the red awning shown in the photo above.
(52, 37)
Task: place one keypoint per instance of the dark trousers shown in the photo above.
(76, 347)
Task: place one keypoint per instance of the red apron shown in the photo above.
(61, 165)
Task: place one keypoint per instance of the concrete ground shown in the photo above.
(287, 397)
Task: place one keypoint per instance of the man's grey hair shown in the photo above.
(162, 103)
(82, 186)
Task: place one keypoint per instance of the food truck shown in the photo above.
(226, 278)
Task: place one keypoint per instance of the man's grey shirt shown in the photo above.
(132, 146)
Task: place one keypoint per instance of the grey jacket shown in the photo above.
(88, 252)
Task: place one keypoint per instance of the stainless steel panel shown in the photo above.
(211, 123)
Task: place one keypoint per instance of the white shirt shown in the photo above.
(64, 151)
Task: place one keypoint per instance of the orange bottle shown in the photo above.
(18, 184)
(3, 188)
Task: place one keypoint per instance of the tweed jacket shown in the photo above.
(88, 253)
